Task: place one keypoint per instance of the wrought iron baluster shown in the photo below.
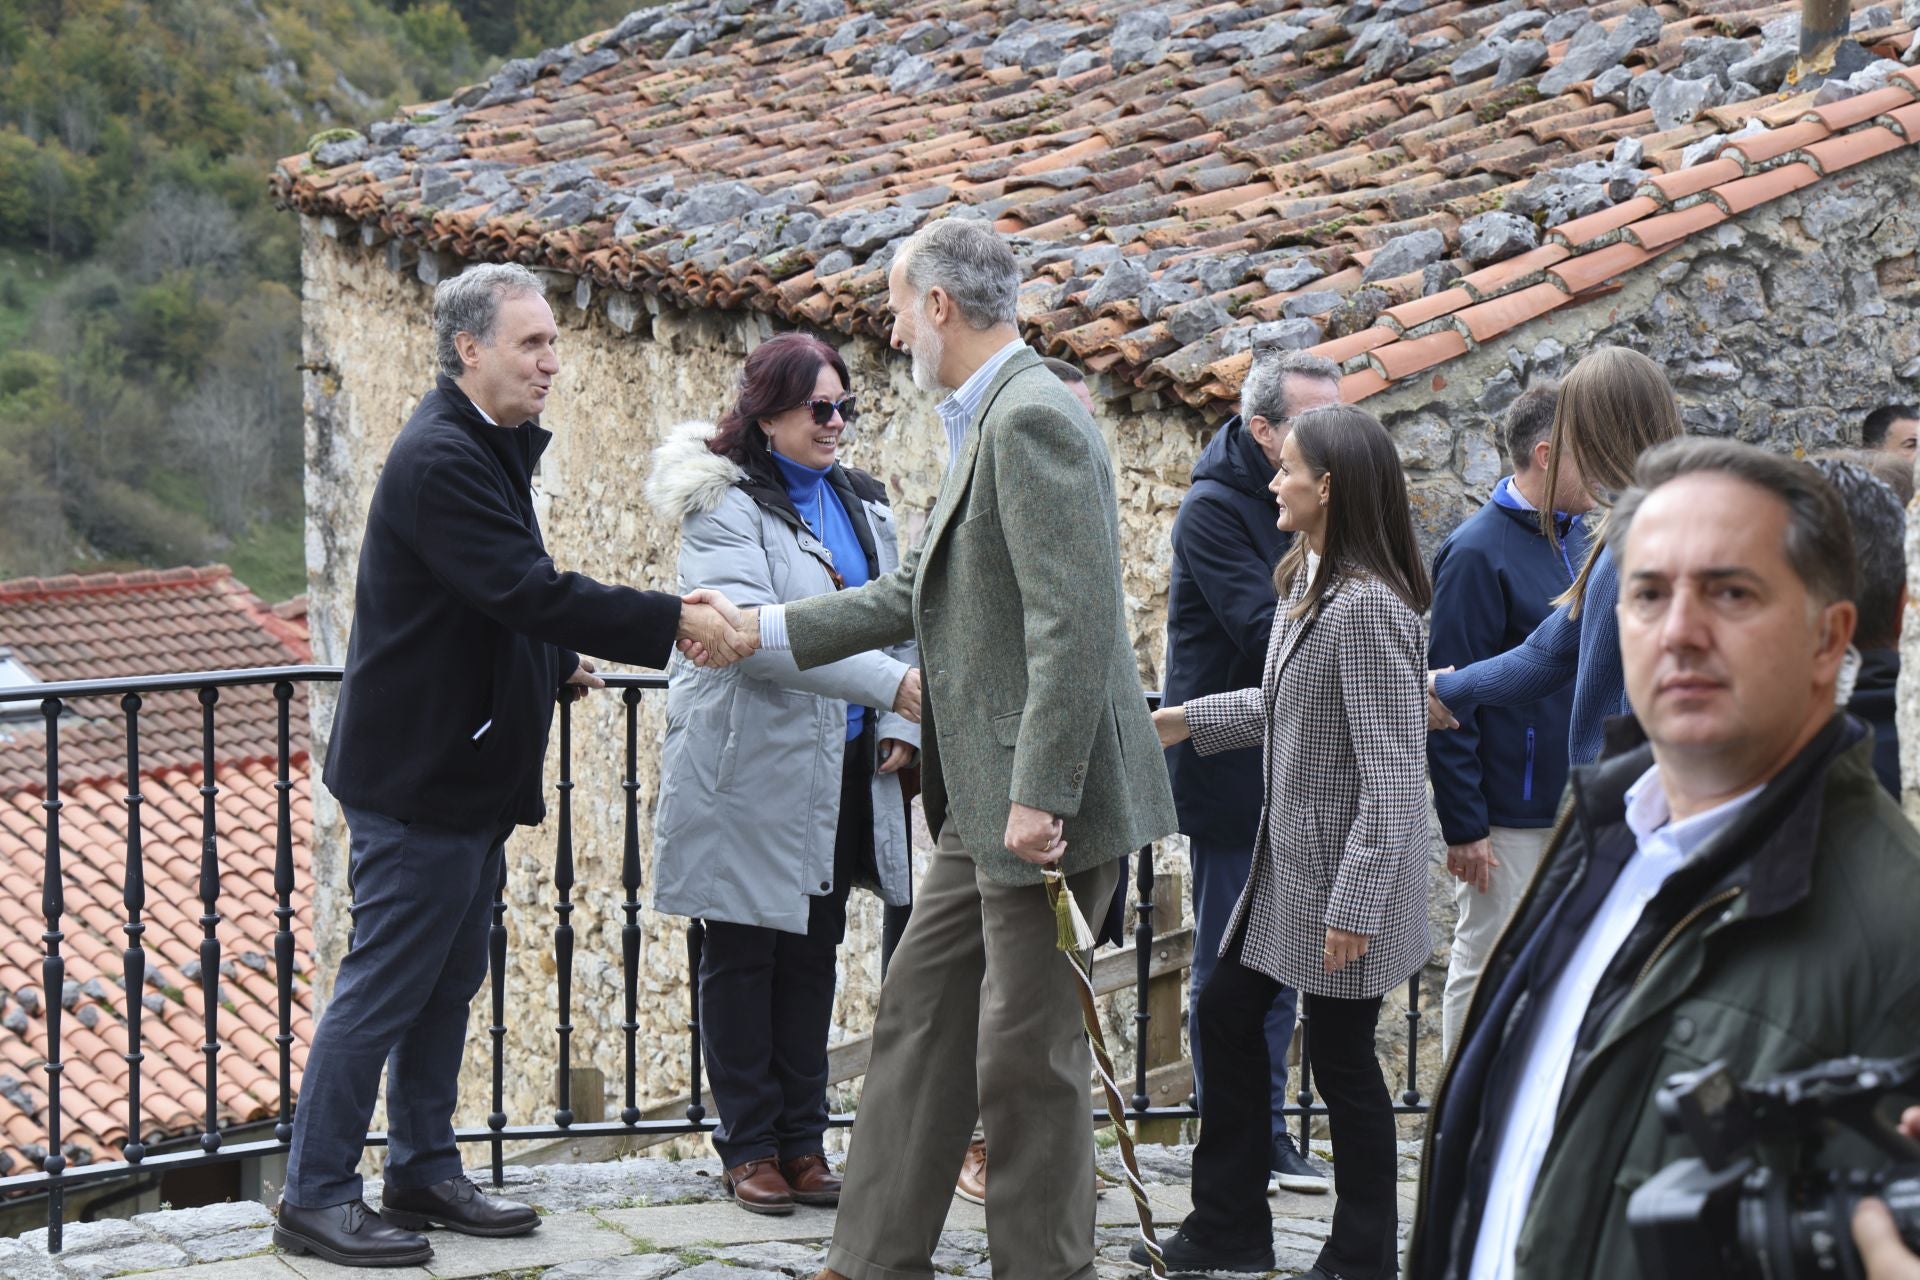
(497, 966)
(53, 974)
(210, 918)
(133, 961)
(1411, 1096)
(283, 911)
(1143, 965)
(563, 908)
(630, 880)
(1305, 1096)
(696, 944)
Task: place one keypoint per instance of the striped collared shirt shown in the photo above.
(957, 410)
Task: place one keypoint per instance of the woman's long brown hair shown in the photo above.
(1369, 524)
(1614, 406)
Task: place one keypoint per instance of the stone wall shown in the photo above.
(1783, 327)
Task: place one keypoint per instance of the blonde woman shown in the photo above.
(1614, 406)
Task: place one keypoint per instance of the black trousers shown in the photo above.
(1230, 1163)
(766, 1001)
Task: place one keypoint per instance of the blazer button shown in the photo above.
(1682, 1030)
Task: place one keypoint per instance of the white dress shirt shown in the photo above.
(1663, 847)
(956, 411)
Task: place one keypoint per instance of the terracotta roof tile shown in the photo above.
(1409, 315)
(147, 623)
(1591, 269)
(1209, 150)
(1398, 359)
(1486, 320)
(1852, 148)
(1844, 114)
(95, 1080)
(1664, 229)
(1743, 194)
(1692, 181)
(1603, 227)
(1501, 277)
(1341, 350)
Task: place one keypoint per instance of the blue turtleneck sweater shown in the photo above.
(819, 505)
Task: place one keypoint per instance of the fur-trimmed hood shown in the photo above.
(689, 479)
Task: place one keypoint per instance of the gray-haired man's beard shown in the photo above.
(926, 350)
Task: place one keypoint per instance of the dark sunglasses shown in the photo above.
(823, 410)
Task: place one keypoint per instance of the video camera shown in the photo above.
(1752, 1204)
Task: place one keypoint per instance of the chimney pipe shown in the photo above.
(1823, 25)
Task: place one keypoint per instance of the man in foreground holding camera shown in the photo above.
(1738, 888)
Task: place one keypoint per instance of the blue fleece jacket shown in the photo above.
(820, 507)
(1494, 580)
(1583, 651)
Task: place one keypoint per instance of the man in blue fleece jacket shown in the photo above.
(1497, 779)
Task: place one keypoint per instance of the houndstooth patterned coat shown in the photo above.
(1340, 716)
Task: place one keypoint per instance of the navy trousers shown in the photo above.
(422, 902)
(1219, 874)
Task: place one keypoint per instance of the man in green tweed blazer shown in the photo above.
(1038, 752)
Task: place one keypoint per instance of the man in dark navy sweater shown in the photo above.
(463, 632)
(1497, 779)
(1220, 603)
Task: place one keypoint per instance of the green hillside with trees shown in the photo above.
(149, 293)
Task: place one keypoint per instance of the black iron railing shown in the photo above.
(55, 1176)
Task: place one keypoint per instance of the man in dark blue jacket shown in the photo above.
(463, 632)
(1870, 681)
(1497, 779)
(1220, 603)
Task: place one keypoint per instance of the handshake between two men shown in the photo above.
(715, 633)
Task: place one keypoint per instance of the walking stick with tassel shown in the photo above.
(1076, 939)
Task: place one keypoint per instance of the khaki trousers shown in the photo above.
(979, 1015)
(1483, 917)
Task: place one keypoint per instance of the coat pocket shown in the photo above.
(1006, 728)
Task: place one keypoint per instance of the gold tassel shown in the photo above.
(1074, 934)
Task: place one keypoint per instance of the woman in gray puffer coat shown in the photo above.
(779, 788)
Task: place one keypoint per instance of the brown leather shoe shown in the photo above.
(812, 1180)
(829, 1275)
(973, 1173)
(758, 1187)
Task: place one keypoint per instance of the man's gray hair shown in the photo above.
(1264, 393)
(470, 303)
(972, 263)
(1819, 542)
(1880, 540)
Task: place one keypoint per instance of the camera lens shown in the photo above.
(1803, 1226)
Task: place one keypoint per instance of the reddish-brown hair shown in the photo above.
(778, 374)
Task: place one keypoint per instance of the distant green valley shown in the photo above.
(149, 293)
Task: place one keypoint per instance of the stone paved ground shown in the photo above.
(635, 1219)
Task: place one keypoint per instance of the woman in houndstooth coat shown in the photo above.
(1336, 903)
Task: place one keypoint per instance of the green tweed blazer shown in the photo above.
(1031, 693)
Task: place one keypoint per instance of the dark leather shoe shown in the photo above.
(758, 1187)
(1183, 1255)
(811, 1180)
(457, 1205)
(349, 1234)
